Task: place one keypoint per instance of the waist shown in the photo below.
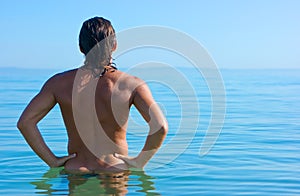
(91, 164)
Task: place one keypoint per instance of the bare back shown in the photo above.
(95, 112)
(97, 127)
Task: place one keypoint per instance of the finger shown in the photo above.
(63, 160)
(71, 156)
(119, 156)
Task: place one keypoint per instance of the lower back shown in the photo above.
(83, 164)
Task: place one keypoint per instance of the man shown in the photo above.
(95, 100)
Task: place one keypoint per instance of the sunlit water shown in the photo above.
(257, 152)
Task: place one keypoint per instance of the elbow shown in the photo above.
(159, 129)
(22, 124)
(164, 129)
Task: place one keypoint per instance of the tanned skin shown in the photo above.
(110, 144)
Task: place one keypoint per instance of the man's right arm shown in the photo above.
(39, 106)
(148, 108)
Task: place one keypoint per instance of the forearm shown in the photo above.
(33, 137)
(153, 142)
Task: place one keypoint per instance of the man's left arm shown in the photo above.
(39, 106)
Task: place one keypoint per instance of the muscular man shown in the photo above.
(95, 100)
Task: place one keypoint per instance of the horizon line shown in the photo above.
(221, 68)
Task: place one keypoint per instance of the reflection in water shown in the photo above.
(55, 181)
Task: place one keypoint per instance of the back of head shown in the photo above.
(97, 41)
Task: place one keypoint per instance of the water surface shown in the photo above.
(257, 151)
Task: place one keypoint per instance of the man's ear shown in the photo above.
(115, 46)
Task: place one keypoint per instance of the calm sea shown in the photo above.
(257, 151)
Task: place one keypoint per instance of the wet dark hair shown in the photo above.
(97, 40)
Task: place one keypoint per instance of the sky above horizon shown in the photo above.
(237, 34)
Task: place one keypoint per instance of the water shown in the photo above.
(257, 151)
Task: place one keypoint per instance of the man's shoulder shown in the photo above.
(61, 78)
(63, 75)
(67, 73)
(129, 79)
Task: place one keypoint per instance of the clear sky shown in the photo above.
(237, 33)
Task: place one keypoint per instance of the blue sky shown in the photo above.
(237, 33)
